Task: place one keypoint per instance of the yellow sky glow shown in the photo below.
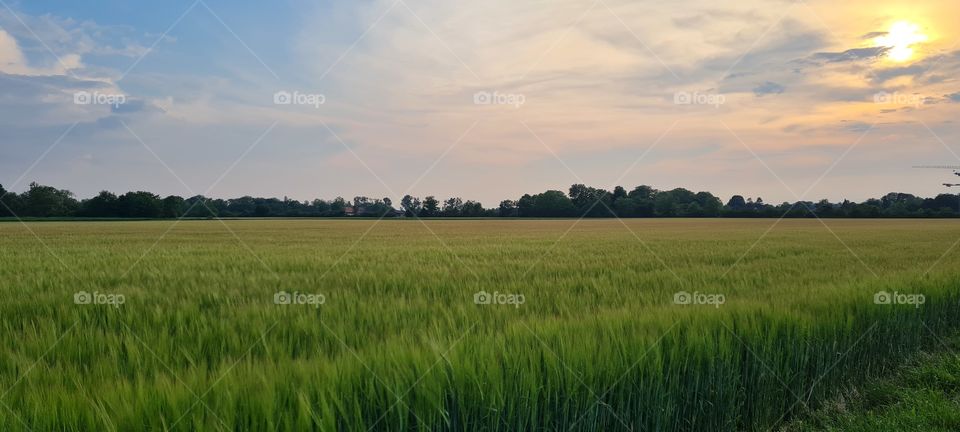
(902, 37)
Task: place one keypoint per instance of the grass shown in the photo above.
(400, 344)
(924, 396)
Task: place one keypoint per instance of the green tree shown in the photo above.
(737, 203)
(590, 202)
(320, 207)
(508, 208)
(619, 192)
(431, 207)
(452, 207)
(102, 205)
(47, 201)
(410, 205)
(824, 208)
(643, 201)
(200, 206)
(472, 209)
(172, 207)
(6, 202)
(625, 207)
(710, 205)
(642, 192)
(139, 205)
(338, 206)
(525, 205)
(552, 203)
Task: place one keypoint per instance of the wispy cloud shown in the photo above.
(400, 81)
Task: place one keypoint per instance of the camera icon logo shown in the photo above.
(282, 98)
(682, 98)
(682, 298)
(82, 98)
(82, 298)
(482, 298)
(482, 98)
(882, 297)
(282, 298)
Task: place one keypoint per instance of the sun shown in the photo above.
(900, 39)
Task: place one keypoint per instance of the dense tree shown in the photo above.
(508, 208)
(320, 207)
(139, 205)
(525, 205)
(452, 207)
(364, 206)
(380, 207)
(472, 209)
(360, 202)
(619, 192)
(102, 205)
(710, 205)
(824, 208)
(581, 200)
(261, 210)
(410, 205)
(737, 203)
(591, 202)
(172, 207)
(626, 207)
(338, 206)
(431, 207)
(46, 201)
(642, 192)
(200, 207)
(552, 203)
(667, 203)
(6, 202)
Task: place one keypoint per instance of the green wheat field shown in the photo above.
(337, 325)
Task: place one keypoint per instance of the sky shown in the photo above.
(783, 100)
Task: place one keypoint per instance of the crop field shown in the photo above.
(466, 325)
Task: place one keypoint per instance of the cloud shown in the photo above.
(598, 83)
(915, 70)
(46, 100)
(133, 105)
(13, 60)
(768, 88)
(931, 70)
(850, 55)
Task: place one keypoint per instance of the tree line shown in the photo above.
(579, 201)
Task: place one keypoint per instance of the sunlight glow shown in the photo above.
(901, 38)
